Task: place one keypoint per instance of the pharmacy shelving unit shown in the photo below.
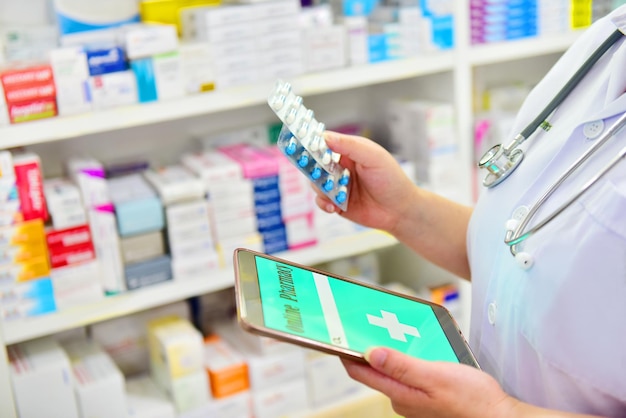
(452, 71)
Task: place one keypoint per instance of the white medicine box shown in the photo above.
(42, 380)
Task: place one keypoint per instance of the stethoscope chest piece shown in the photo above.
(499, 164)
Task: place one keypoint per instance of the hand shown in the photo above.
(380, 191)
(419, 388)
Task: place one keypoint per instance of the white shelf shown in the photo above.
(64, 127)
(150, 297)
(520, 49)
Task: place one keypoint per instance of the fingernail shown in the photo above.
(376, 356)
(330, 137)
(330, 208)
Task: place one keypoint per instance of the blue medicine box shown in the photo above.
(139, 216)
(149, 272)
(106, 60)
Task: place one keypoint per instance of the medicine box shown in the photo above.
(126, 338)
(71, 73)
(327, 379)
(146, 40)
(226, 368)
(281, 400)
(98, 383)
(188, 392)
(212, 166)
(106, 241)
(42, 379)
(64, 203)
(197, 66)
(106, 60)
(137, 207)
(175, 183)
(193, 213)
(113, 89)
(29, 181)
(195, 267)
(88, 174)
(176, 348)
(148, 272)
(159, 77)
(142, 247)
(77, 284)
(146, 400)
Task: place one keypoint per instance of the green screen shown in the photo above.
(347, 315)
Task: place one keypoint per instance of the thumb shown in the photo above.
(410, 371)
(357, 148)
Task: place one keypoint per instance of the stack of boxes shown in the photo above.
(153, 54)
(42, 379)
(99, 385)
(29, 92)
(89, 176)
(189, 228)
(140, 224)
(71, 76)
(434, 123)
(110, 81)
(296, 203)
(323, 41)
(146, 400)
(261, 168)
(75, 274)
(177, 362)
(249, 42)
(276, 372)
(554, 16)
(25, 284)
(227, 372)
(502, 20)
(231, 200)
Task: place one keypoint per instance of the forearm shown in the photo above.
(436, 228)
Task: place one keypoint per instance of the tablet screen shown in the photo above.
(345, 314)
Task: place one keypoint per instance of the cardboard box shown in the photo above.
(42, 379)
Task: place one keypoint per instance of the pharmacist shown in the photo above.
(548, 323)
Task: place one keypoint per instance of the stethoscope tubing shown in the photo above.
(513, 238)
(571, 83)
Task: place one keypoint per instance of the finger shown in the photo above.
(356, 148)
(380, 382)
(417, 373)
(324, 204)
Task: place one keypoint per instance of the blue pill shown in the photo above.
(290, 149)
(316, 173)
(344, 180)
(328, 185)
(303, 161)
(341, 197)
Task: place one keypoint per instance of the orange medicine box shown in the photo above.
(226, 368)
(34, 268)
(28, 232)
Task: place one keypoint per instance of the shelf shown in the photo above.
(520, 49)
(64, 127)
(161, 294)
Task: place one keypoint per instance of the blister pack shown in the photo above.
(301, 139)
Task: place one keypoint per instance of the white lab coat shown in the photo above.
(555, 335)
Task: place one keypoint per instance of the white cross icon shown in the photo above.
(396, 329)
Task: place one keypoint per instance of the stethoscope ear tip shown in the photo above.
(524, 260)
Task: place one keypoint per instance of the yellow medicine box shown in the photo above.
(33, 268)
(176, 348)
(23, 233)
(167, 11)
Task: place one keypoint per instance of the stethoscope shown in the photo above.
(501, 161)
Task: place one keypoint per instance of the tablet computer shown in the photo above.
(303, 305)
